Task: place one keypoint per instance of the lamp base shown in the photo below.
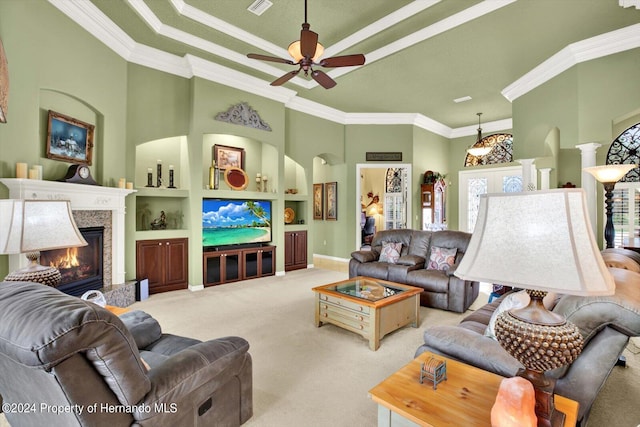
(34, 272)
(548, 415)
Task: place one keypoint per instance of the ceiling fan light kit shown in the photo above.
(305, 52)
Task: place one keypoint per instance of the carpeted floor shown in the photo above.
(305, 376)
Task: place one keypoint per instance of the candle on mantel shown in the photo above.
(122, 182)
(33, 173)
(21, 170)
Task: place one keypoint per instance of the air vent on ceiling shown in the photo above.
(259, 6)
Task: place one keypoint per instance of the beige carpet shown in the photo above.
(319, 377)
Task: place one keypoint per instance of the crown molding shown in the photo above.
(592, 48)
(489, 127)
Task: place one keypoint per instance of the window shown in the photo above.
(626, 195)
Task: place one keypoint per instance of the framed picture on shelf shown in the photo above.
(318, 201)
(331, 198)
(69, 139)
(228, 157)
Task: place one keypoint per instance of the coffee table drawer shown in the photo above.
(346, 318)
(343, 303)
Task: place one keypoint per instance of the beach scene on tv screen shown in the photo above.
(235, 222)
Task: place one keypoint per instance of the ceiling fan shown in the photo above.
(305, 53)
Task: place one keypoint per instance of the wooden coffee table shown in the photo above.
(369, 307)
(465, 398)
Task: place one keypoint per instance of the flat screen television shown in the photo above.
(227, 222)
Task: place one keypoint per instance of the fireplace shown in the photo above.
(81, 268)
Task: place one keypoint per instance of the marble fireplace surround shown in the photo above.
(92, 205)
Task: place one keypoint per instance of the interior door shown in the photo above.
(473, 183)
(397, 213)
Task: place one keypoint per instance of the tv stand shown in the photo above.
(225, 265)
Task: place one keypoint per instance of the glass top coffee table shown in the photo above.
(369, 307)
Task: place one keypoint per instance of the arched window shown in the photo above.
(501, 150)
(626, 195)
(625, 150)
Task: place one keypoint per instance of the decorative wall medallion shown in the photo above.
(242, 114)
(4, 85)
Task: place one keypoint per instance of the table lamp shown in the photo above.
(608, 175)
(539, 241)
(31, 226)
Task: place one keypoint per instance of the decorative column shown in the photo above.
(545, 173)
(588, 156)
(529, 181)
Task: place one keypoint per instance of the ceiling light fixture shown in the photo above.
(479, 149)
(306, 51)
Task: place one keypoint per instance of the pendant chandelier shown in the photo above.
(479, 149)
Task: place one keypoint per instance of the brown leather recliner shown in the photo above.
(69, 362)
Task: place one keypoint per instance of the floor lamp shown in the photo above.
(609, 175)
(31, 226)
(539, 241)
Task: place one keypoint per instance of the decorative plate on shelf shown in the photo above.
(289, 215)
(236, 178)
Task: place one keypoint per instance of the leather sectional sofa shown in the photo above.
(441, 289)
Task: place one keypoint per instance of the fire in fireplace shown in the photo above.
(80, 268)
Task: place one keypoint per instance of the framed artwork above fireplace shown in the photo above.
(69, 139)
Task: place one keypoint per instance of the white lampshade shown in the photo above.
(609, 173)
(539, 240)
(37, 225)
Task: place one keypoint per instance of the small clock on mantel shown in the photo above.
(79, 174)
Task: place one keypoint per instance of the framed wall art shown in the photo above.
(69, 139)
(228, 157)
(318, 201)
(331, 198)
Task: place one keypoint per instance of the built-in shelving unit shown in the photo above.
(178, 203)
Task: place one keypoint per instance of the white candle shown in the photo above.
(121, 182)
(39, 169)
(170, 167)
(129, 185)
(33, 173)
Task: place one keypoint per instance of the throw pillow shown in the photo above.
(442, 258)
(390, 252)
(513, 301)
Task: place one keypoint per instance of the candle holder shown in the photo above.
(171, 177)
(259, 182)
(265, 188)
(159, 177)
(149, 178)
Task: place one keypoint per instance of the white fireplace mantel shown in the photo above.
(82, 197)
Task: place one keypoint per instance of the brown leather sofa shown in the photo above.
(441, 288)
(69, 362)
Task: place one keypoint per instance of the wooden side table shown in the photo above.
(464, 399)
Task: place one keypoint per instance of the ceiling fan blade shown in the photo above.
(270, 58)
(343, 61)
(323, 79)
(282, 80)
(308, 41)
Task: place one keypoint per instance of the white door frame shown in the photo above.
(358, 207)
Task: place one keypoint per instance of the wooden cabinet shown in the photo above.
(432, 202)
(295, 250)
(231, 265)
(164, 262)
(258, 262)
